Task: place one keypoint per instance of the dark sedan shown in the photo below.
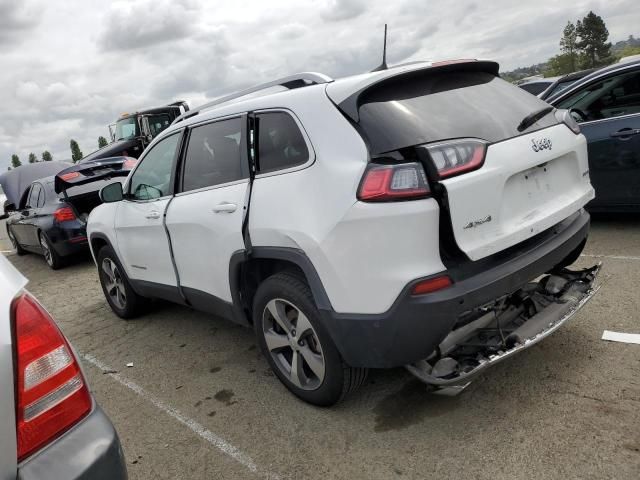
(606, 104)
(52, 215)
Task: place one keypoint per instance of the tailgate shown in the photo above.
(526, 185)
(91, 171)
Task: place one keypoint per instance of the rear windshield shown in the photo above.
(427, 108)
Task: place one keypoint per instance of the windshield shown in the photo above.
(126, 128)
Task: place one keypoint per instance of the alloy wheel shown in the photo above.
(113, 283)
(46, 249)
(293, 344)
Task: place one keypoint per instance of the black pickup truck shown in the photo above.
(132, 132)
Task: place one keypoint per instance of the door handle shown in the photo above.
(626, 132)
(225, 207)
(153, 215)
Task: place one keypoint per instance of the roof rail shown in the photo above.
(297, 80)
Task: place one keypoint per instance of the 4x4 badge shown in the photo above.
(542, 144)
(475, 223)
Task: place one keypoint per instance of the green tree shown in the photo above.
(568, 45)
(32, 158)
(559, 65)
(15, 161)
(628, 51)
(46, 156)
(76, 153)
(592, 42)
(102, 142)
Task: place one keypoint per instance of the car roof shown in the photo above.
(595, 75)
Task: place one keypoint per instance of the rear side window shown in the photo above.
(429, 107)
(280, 142)
(213, 155)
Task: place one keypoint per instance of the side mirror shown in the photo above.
(9, 207)
(111, 193)
(146, 129)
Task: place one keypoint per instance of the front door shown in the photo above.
(608, 111)
(139, 224)
(205, 217)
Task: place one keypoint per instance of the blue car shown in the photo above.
(606, 104)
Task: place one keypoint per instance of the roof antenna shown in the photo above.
(383, 65)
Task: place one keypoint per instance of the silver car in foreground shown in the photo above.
(50, 426)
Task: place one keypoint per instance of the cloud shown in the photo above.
(16, 20)
(132, 26)
(339, 10)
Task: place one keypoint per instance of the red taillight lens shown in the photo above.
(457, 156)
(51, 392)
(64, 214)
(70, 176)
(405, 181)
(129, 163)
(431, 285)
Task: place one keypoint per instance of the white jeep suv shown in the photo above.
(419, 216)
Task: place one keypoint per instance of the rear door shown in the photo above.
(139, 224)
(608, 111)
(205, 218)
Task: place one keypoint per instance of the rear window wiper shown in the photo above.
(533, 118)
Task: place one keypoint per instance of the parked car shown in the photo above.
(539, 85)
(563, 82)
(132, 132)
(16, 182)
(53, 212)
(3, 201)
(606, 105)
(421, 215)
(52, 428)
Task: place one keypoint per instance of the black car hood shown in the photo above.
(15, 182)
(90, 171)
(114, 149)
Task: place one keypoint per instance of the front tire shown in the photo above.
(299, 350)
(121, 297)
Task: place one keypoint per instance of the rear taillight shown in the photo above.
(564, 116)
(69, 176)
(64, 214)
(129, 163)
(51, 392)
(457, 156)
(380, 183)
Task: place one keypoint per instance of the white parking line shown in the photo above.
(612, 257)
(214, 439)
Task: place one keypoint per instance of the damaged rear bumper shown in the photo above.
(416, 324)
(459, 360)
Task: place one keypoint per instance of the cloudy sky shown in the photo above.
(70, 68)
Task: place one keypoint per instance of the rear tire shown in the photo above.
(50, 255)
(14, 242)
(297, 346)
(120, 296)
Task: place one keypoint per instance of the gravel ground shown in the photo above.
(209, 407)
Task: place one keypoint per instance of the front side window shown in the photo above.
(126, 128)
(213, 155)
(152, 178)
(612, 97)
(41, 197)
(280, 142)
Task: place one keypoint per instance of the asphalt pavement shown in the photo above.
(200, 402)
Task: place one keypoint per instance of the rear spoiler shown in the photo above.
(91, 171)
(350, 103)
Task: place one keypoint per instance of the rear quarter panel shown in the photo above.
(11, 283)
